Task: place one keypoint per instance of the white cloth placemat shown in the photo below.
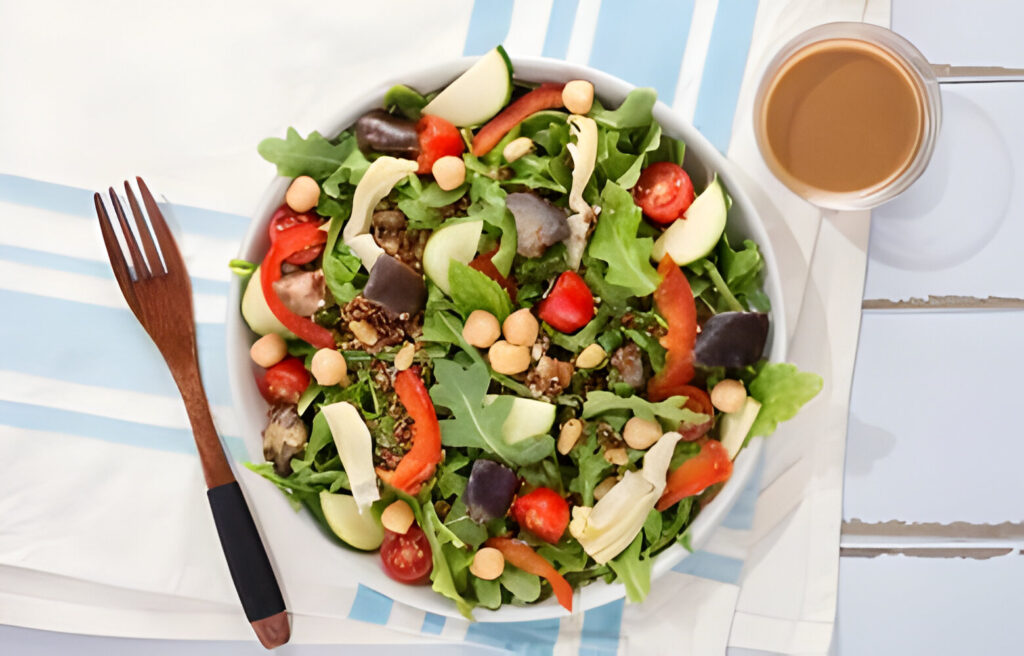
(103, 487)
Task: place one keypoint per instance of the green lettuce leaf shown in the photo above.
(782, 389)
(314, 156)
(421, 203)
(670, 410)
(633, 570)
(634, 112)
(341, 267)
(615, 242)
(488, 204)
(475, 424)
(473, 290)
(407, 102)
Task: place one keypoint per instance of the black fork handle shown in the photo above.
(249, 564)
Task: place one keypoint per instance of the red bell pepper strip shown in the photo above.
(712, 465)
(485, 265)
(697, 400)
(570, 304)
(419, 463)
(546, 96)
(520, 554)
(674, 300)
(289, 242)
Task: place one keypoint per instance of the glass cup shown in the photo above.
(914, 68)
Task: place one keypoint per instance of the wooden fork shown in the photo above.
(160, 295)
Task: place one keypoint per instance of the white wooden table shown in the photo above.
(934, 524)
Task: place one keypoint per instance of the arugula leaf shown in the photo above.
(473, 290)
(477, 425)
(652, 526)
(488, 200)
(650, 345)
(742, 271)
(351, 169)
(782, 389)
(460, 524)
(407, 102)
(543, 268)
(615, 242)
(523, 585)
(421, 204)
(591, 466)
(670, 410)
(314, 156)
(633, 570)
(566, 556)
(634, 112)
(586, 335)
(488, 593)
(341, 270)
(441, 575)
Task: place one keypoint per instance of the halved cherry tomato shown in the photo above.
(712, 465)
(569, 306)
(546, 96)
(664, 191)
(438, 138)
(542, 512)
(522, 555)
(674, 300)
(284, 382)
(697, 400)
(407, 558)
(285, 217)
(484, 264)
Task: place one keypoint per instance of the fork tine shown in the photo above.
(152, 255)
(141, 270)
(115, 255)
(172, 256)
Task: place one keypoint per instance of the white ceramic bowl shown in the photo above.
(701, 160)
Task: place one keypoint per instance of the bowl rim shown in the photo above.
(609, 88)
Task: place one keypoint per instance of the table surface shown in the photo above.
(933, 532)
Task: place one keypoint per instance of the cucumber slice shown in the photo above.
(734, 426)
(696, 234)
(528, 418)
(257, 313)
(478, 94)
(455, 242)
(362, 531)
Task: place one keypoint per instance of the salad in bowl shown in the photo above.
(509, 337)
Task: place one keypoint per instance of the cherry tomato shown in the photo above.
(569, 306)
(664, 191)
(285, 217)
(284, 382)
(438, 138)
(542, 512)
(407, 558)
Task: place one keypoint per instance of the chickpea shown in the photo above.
(578, 96)
(569, 435)
(403, 359)
(488, 564)
(449, 172)
(521, 328)
(329, 367)
(303, 194)
(604, 487)
(616, 456)
(728, 395)
(268, 350)
(508, 358)
(641, 433)
(397, 517)
(517, 148)
(591, 357)
(481, 329)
